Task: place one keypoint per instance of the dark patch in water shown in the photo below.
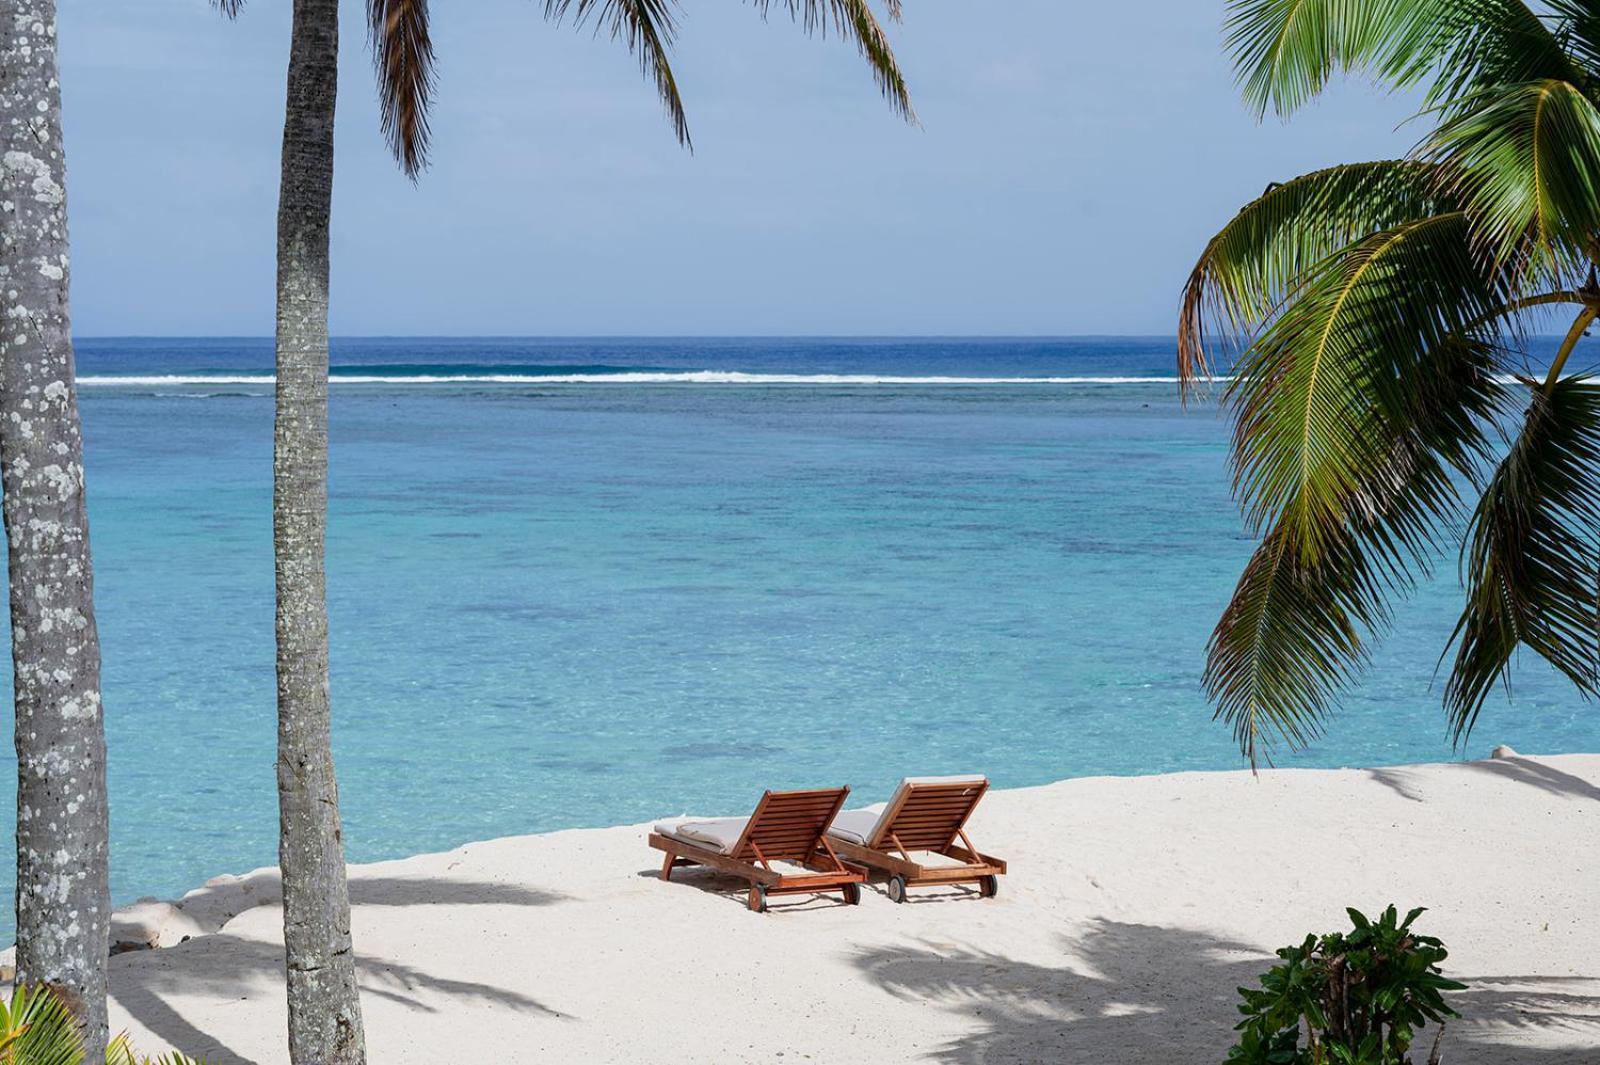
(523, 611)
(582, 765)
(699, 752)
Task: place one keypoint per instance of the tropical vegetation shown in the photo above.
(1360, 997)
(324, 1007)
(1385, 410)
(37, 1028)
(63, 896)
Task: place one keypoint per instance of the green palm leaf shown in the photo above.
(36, 1028)
(1532, 554)
(1319, 397)
(1578, 28)
(1287, 50)
(1250, 267)
(1374, 300)
(1525, 160)
(1296, 629)
(1289, 640)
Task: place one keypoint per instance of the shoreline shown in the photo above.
(1134, 907)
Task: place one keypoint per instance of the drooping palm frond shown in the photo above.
(229, 8)
(648, 28)
(1288, 642)
(854, 21)
(1373, 382)
(1249, 268)
(1533, 553)
(1315, 397)
(402, 54)
(1525, 161)
(1286, 50)
(1296, 630)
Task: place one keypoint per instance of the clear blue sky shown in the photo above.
(1073, 158)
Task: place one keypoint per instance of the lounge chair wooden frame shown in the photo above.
(787, 826)
(930, 818)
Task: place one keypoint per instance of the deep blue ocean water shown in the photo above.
(563, 600)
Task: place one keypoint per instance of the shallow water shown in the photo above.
(562, 604)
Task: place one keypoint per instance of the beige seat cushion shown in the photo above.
(860, 826)
(856, 826)
(720, 834)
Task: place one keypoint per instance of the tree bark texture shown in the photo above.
(324, 1003)
(63, 902)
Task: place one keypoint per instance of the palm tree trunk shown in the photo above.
(63, 903)
(324, 1004)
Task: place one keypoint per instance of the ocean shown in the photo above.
(589, 582)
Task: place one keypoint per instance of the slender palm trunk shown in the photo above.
(324, 1004)
(63, 905)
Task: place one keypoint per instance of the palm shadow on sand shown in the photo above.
(1128, 994)
(212, 965)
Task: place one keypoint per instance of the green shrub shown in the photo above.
(36, 1028)
(1358, 997)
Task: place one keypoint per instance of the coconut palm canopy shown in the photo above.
(402, 52)
(1382, 412)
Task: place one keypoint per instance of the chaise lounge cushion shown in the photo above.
(720, 834)
(861, 826)
(856, 826)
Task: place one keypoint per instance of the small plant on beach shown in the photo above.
(1358, 997)
(37, 1028)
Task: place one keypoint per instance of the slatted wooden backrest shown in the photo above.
(788, 825)
(927, 817)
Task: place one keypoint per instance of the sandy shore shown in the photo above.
(1133, 909)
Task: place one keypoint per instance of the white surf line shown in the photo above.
(706, 377)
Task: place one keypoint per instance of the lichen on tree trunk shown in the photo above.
(63, 904)
(324, 1003)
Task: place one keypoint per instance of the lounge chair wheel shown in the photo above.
(758, 899)
(852, 894)
(989, 886)
(897, 889)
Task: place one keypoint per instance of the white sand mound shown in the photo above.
(1133, 909)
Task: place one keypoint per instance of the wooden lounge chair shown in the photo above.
(927, 814)
(787, 826)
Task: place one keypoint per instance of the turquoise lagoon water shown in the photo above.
(563, 597)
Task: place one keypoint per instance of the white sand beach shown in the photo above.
(1133, 909)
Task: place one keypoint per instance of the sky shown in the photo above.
(1071, 161)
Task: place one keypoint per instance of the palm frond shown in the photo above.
(229, 8)
(37, 1028)
(1296, 630)
(1289, 640)
(1318, 395)
(854, 20)
(648, 28)
(402, 52)
(1532, 554)
(1525, 161)
(120, 1052)
(1287, 50)
(1578, 29)
(1249, 268)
